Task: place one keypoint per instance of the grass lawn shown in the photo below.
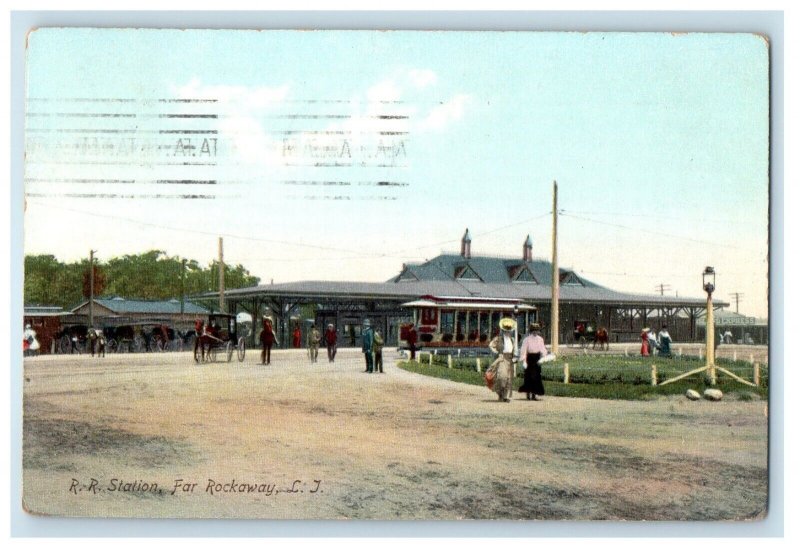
(609, 377)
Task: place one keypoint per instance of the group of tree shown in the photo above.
(152, 275)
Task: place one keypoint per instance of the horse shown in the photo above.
(601, 338)
(204, 341)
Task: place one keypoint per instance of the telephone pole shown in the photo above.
(183, 286)
(221, 278)
(737, 297)
(91, 288)
(661, 288)
(554, 303)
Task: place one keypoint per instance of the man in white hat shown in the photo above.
(504, 346)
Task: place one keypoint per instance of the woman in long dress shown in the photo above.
(503, 367)
(532, 350)
(645, 344)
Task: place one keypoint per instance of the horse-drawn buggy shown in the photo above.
(585, 332)
(72, 338)
(218, 334)
(142, 336)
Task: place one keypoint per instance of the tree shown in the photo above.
(149, 275)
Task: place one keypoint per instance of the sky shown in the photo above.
(342, 155)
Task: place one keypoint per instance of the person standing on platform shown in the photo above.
(367, 340)
(532, 350)
(267, 340)
(31, 345)
(377, 347)
(411, 339)
(330, 342)
(312, 340)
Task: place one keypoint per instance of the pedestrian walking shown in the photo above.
(367, 340)
(267, 338)
(502, 369)
(101, 344)
(297, 337)
(312, 340)
(330, 342)
(645, 350)
(377, 348)
(531, 351)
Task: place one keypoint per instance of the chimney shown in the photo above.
(466, 242)
(527, 249)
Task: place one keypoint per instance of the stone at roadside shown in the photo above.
(693, 395)
(712, 394)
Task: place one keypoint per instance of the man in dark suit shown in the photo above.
(367, 340)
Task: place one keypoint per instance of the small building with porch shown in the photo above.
(116, 310)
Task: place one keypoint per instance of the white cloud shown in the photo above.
(450, 111)
(386, 90)
(422, 78)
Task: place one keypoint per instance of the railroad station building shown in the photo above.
(491, 281)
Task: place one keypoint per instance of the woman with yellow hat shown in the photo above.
(502, 369)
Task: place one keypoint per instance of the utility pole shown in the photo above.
(737, 297)
(661, 288)
(554, 300)
(183, 287)
(91, 288)
(221, 278)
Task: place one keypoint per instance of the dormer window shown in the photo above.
(465, 272)
(524, 275)
(569, 278)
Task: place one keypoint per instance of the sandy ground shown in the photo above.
(296, 440)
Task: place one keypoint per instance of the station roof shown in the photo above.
(118, 305)
(410, 290)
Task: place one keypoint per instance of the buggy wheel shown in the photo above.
(229, 350)
(212, 353)
(113, 346)
(240, 349)
(178, 346)
(139, 344)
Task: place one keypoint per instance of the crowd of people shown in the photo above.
(653, 344)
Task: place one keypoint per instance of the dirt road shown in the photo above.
(156, 435)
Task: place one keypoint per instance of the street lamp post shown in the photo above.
(711, 368)
(709, 283)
